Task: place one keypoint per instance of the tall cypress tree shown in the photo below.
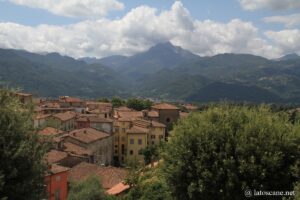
(21, 155)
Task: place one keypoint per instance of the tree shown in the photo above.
(104, 99)
(148, 184)
(21, 154)
(150, 153)
(117, 102)
(88, 189)
(139, 104)
(221, 152)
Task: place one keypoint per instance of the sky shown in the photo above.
(99, 28)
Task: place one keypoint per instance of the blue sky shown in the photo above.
(263, 22)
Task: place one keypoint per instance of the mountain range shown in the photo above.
(164, 71)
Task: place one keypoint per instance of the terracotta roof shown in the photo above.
(136, 129)
(55, 156)
(109, 176)
(87, 135)
(82, 119)
(146, 123)
(100, 110)
(123, 108)
(124, 119)
(153, 113)
(55, 169)
(41, 116)
(165, 106)
(157, 124)
(70, 99)
(50, 105)
(118, 189)
(129, 114)
(100, 120)
(75, 149)
(49, 131)
(23, 94)
(65, 116)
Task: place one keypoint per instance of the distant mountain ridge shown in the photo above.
(164, 71)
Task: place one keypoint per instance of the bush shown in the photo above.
(221, 152)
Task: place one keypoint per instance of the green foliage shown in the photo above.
(221, 152)
(104, 99)
(21, 167)
(149, 184)
(139, 104)
(89, 189)
(117, 102)
(150, 153)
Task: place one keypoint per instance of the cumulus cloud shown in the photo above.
(73, 8)
(270, 4)
(288, 20)
(287, 40)
(138, 30)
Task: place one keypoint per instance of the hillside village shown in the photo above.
(91, 137)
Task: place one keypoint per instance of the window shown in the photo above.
(116, 129)
(168, 120)
(161, 137)
(116, 151)
(124, 130)
(152, 142)
(152, 136)
(116, 146)
(131, 141)
(123, 149)
(131, 152)
(140, 141)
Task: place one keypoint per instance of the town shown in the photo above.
(91, 137)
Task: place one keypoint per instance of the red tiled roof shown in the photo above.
(55, 169)
(55, 156)
(165, 106)
(23, 94)
(157, 124)
(65, 116)
(49, 131)
(71, 99)
(100, 120)
(41, 116)
(75, 149)
(87, 135)
(153, 113)
(118, 189)
(136, 129)
(109, 176)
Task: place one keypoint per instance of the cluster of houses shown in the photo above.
(90, 137)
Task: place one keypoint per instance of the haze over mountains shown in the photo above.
(164, 71)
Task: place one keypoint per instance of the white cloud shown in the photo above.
(288, 20)
(287, 40)
(74, 8)
(138, 30)
(270, 4)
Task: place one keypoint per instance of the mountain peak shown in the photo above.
(290, 56)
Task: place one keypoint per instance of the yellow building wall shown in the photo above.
(120, 140)
(156, 135)
(133, 150)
